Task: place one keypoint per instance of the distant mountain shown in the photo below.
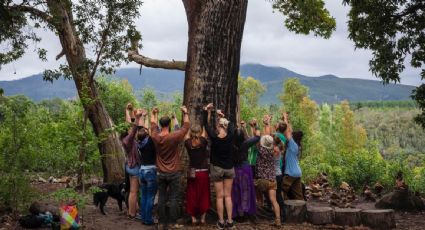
(328, 88)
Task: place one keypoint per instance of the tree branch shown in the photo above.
(155, 63)
(410, 10)
(61, 54)
(33, 11)
(104, 38)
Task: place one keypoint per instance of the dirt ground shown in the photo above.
(115, 219)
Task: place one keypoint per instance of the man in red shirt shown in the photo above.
(168, 163)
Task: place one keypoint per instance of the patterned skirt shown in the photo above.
(243, 191)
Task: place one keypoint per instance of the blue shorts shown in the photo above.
(132, 171)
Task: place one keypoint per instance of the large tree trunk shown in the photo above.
(213, 56)
(110, 147)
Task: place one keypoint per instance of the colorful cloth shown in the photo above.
(243, 192)
(198, 194)
(265, 164)
(69, 217)
(252, 155)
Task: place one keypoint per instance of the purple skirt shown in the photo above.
(243, 191)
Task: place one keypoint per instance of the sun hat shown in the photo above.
(266, 141)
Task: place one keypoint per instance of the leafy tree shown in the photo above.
(149, 99)
(394, 31)
(250, 90)
(351, 136)
(215, 37)
(301, 109)
(116, 94)
(93, 36)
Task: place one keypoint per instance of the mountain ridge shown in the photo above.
(323, 89)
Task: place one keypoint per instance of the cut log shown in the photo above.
(295, 211)
(320, 215)
(347, 217)
(379, 219)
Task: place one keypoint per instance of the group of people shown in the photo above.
(245, 166)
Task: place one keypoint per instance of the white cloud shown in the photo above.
(266, 41)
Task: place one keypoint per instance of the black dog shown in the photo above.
(118, 192)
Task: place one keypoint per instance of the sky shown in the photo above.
(265, 41)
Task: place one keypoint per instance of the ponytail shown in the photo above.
(195, 135)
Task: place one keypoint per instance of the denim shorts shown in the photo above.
(132, 171)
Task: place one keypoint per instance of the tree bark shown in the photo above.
(110, 148)
(379, 219)
(213, 56)
(347, 217)
(320, 215)
(295, 211)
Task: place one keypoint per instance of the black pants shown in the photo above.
(168, 186)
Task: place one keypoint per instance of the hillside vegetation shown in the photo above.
(356, 143)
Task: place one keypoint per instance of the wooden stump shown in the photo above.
(379, 219)
(347, 217)
(295, 211)
(320, 215)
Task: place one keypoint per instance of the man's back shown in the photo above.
(167, 148)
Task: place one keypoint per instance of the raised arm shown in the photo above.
(206, 121)
(252, 125)
(185, 115)
(204, 132)
(285, 117)
(128, 111)
(266, 122)
(175, 122)
(231, 129)
(127, 141)
(244, 130)
(181, 133)
(142, 120)
(252, 140)
(154, 120)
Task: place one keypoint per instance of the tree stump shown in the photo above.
(320, 215)
(379, 219)
(347, 217)
(295, 211)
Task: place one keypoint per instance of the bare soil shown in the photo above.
(115, 219)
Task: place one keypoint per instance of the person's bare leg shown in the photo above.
(276, 208)
(203, 218)
(194, 220)
(132, 198)
(228, 198)
(219, 199)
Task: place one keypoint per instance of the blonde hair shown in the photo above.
(223, 122)
(195, 135)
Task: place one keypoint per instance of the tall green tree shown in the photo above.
(115, 94)
(213, 54)
(394, 31)
(303, 113)
(250, 90)
(93, 36)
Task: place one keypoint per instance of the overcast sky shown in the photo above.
(266, 41)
